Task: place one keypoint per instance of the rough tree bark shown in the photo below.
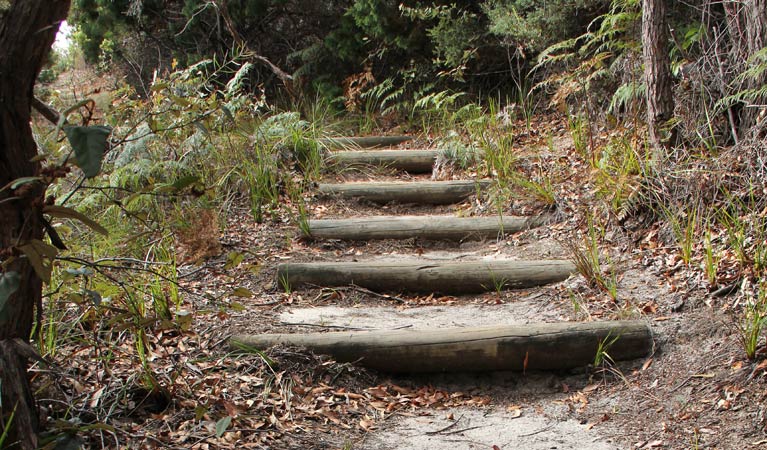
(657, 71)
(27, 31)
(756, 39)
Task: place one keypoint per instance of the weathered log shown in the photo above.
(424, 192)
(363, 142)
(414, 161)
(547, 346)
(423, 227)
(445, 277)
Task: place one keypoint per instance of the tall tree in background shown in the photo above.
(657, 70)
(756, 39)
(27, 31)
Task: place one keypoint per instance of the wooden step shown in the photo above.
(423, 227)
(423, 192)
(546, 346)
(363, 142)
(427, 276)
(413, 161)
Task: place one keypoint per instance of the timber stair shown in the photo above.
(412, 161)
(447, 228)
(545, 346)
(417, 192)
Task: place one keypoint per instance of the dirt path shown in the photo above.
(691, 392)
(532, 410)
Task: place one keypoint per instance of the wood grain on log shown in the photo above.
(425, 192)
(414, 161)
(363, 142)
(549, 346)
(423, 227)
(445, 277)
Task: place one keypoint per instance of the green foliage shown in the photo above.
(588, 261)
(591, 61)
(533, 26)
(620, 169)
(752, 321)
(754, 74)
(90, 144)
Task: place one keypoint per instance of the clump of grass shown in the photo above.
(685, 227)
(602, 356)
(753, 320)
(588, 259)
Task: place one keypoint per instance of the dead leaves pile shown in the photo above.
(205, 398)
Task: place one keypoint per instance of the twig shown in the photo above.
(466, 429)
(304, 324)
(46, 111)
(366, 291)
(446, 428)
(546, 428)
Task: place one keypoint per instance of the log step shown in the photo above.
(413, 161)
(363, 142)
(427, 276)
(546, 346)
(423, 227)
(423, 192)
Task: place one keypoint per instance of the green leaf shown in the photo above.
(21, 181)
(237, 306)
(242, 292)
(233, 259)
(9, 283)
(41, 256)
(222, 425)
(90, 145)
(69, 213)
(200, 126)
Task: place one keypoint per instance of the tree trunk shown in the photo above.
(657, 72)
(27, 31)
(756, 39)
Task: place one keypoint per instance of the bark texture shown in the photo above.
(413, 161)
(422, 227)
(27, 31)
(421, 192)
(427, 276)
(756, 39)
(657, 70)
(364, 142)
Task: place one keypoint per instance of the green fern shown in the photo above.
(756, 71)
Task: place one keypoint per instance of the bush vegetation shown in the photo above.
(204, 123)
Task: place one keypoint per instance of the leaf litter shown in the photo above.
(696, 390)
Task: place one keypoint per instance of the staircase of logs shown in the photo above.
(543, 346)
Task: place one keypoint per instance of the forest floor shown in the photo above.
(696, 391)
